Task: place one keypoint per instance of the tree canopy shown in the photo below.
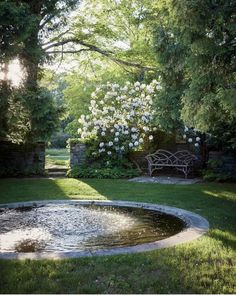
(189, 45)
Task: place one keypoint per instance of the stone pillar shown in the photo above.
(77, 154)
(40, 155)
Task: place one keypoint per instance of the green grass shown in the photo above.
(58, 152)
(207, 265)
(57, 158)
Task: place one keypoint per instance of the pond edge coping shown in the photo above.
(196, 226)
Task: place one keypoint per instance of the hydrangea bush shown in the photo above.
(192, 136)
(120, 119)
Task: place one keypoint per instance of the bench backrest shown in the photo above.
(167, 158)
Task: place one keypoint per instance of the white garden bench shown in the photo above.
(182, 160)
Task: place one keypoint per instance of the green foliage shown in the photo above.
(44, 114)
(5, 92)
(15, 26)
(170, 57)
(118, 27)
(209, 175)
(14, 117)
(59, 140)
(73, 141)
(29, 113)
(33, 170)
(218, 170)
(195, 42)
(102, 173)
(215, 163)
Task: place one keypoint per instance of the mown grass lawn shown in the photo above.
(207, 265)
(57, 158)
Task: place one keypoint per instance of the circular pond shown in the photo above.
(82, 228)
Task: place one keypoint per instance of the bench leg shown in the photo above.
(185, 173)
(150, 170)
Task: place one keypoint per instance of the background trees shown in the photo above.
(190, 45)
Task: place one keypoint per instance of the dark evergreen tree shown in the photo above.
(196, 49)
(23, 26)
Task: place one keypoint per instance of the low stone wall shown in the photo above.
(221, 162)
(21, 159)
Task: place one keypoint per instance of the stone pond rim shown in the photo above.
(196, 226)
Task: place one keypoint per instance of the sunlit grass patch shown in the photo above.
(57, 158)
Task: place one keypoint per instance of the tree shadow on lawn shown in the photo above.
(32, 189)
(216, 202)
(228, 238)
(198, 197)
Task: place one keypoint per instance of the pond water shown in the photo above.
(75, 227)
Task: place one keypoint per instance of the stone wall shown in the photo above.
(221, 162)
(21, 159)
(77, 154)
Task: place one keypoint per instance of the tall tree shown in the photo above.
(23, 26)
(201, 35)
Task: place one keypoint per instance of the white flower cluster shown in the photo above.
(191, 136)
(120, 117)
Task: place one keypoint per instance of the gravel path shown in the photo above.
(165, 180)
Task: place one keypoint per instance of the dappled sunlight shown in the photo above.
(15, 73)
(226, 238)
(226, 195)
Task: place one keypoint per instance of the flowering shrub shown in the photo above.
(192, 136)
(121, 118)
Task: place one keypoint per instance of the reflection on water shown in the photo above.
(67, 227)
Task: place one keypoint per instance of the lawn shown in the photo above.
(57, 158)
(207, 265)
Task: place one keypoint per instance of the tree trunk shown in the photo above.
(5, 70)
(30, 59)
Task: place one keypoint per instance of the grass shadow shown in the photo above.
(22, 190)
(216, 202)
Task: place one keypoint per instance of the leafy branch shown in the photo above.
(90, 47)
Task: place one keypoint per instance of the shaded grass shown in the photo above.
(207, 265)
